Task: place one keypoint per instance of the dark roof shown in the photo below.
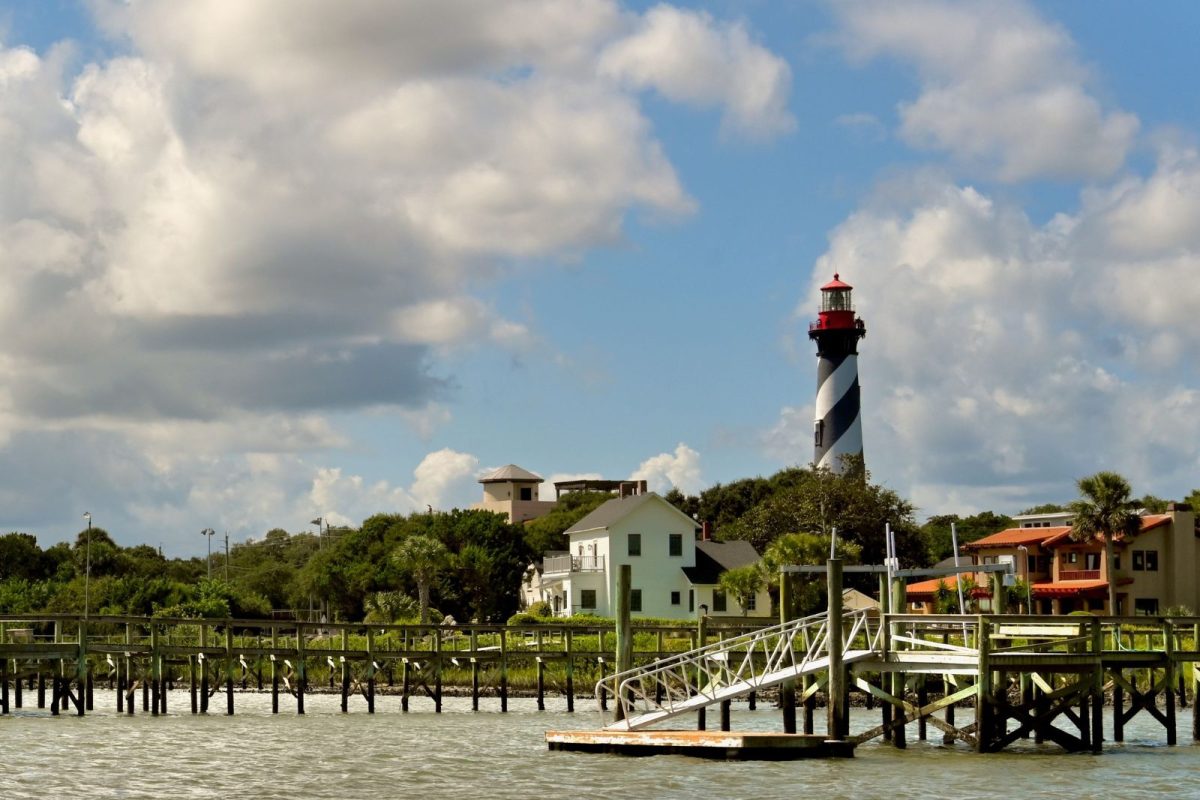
(609, 512)
(713, 558)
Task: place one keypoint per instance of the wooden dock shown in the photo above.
(67, 660)
(719, 745)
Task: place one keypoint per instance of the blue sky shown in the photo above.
(267, 262)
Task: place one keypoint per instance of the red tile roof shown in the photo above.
(1012, 537)
(1068, 588)
(1047, 537)
(923, 590)
(1149, 522)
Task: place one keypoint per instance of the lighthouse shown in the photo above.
(837, 430)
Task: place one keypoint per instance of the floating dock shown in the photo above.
(720, 745)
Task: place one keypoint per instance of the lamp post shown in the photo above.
(209, 533)
(1028, 583)
(87, 571)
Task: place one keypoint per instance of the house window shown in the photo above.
(635, 599)
(1145, 606)
(718, 601)
(674, 598)
(526, 493)
(1116, 561)
(1139, 560)
(751, 602)
(691, 600)
(635, 544)
(675, 544)
(1091, 561)
(587, 598)
(1151, 561)
(1072, 557)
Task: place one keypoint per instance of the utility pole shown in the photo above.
(227, 556)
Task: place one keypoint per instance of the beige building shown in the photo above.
(513, 491)
(1154, 571)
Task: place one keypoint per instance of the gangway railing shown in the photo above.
(726, 669)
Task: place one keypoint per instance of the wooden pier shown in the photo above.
(69, 662)
(1036, 677)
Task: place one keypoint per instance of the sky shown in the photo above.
(267, 262)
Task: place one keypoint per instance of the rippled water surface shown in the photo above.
(460, 754)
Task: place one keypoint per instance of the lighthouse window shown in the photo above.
(837, 300)
(818, 432)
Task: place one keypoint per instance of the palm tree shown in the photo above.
(1104, 509)
(421, 557)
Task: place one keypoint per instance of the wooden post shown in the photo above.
(836, 707)
(345, 670)
(922, 701)
(370, 671)
(229, 670)
(437, 667)
(725, 707)
(17, 683)
(1097, 693)
(701, 640)
(541, 674)
(41, 687)
(787, 690)
(4, 682)
(1169, 679)
(203, 662)
(570, 673)
(404, 685)
(154, 670)
(274, 670)
(301, 669)
(624, 633)
(898, 602)
(81, 669)
(504, 670)
(984, 710)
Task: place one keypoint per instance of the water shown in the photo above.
(463, 755)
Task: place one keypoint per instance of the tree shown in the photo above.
(422, 558)
(815, 500)
(939, 542)
(798, 549)
(1045, 508)
(743, 583)
(1104, 511)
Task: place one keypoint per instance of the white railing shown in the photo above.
(726, 669)
(565, 564)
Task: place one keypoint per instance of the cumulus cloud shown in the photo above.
(257, 215)
(689, 58)
(1002, 352)
(1002, 89)
(679, 469)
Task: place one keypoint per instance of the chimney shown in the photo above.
(706, 531)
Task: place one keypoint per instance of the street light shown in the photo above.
(1028, 583)
(87, 573)
(317, 522)
(209, 533)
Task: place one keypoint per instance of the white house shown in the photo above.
(672, 573)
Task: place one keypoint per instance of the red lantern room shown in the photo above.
(837, 311)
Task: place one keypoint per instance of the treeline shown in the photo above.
(464, 564)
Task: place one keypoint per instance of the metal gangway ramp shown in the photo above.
(733, 667)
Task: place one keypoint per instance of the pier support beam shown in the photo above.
(836, 706)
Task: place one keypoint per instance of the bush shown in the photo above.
(540, 609)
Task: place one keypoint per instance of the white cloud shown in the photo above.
(1002, 89)
(1003, 353)
(679, 469)
(690, 58)
(260, 215)
(444, 475)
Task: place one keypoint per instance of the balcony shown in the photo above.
(562, 565)
(1079, 575)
